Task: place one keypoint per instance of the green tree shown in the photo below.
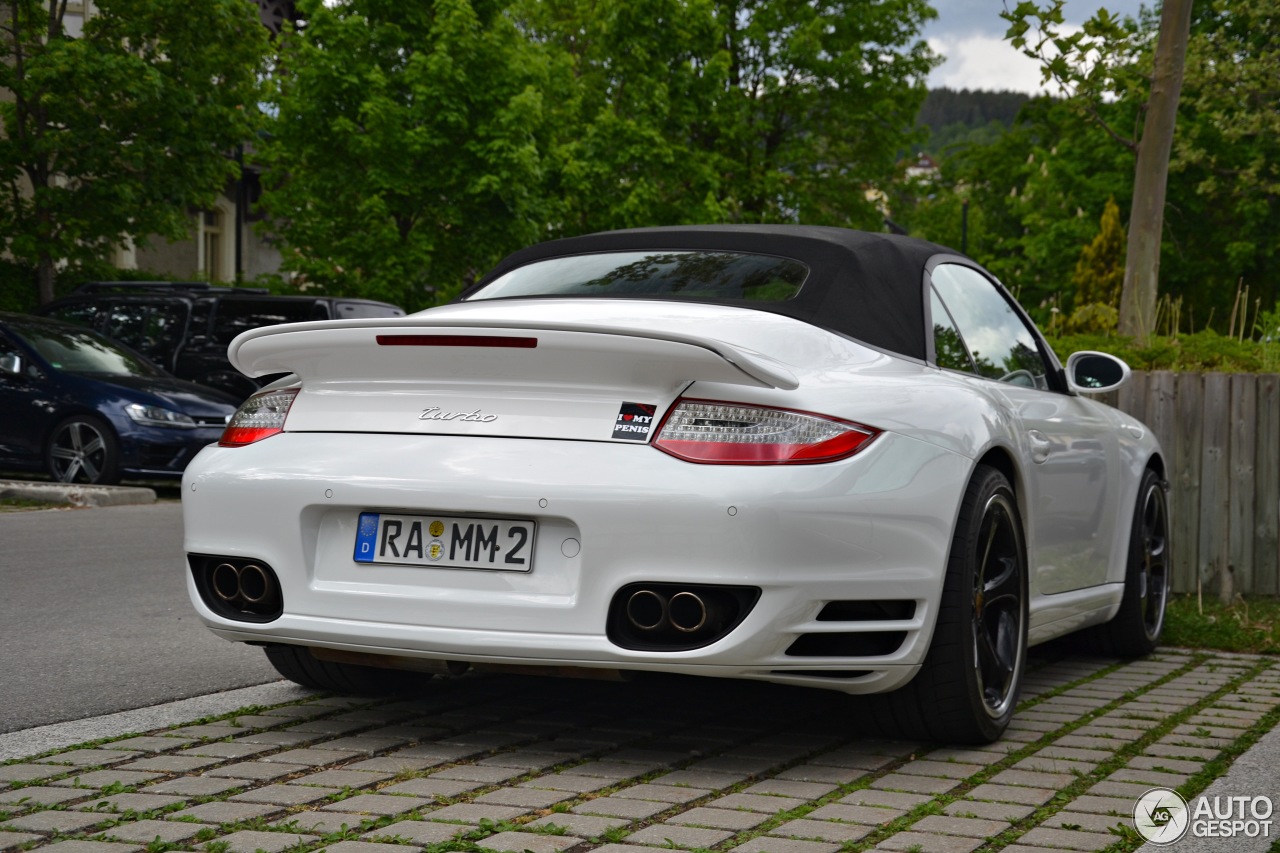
(1093, 64)
(1100, 270)
(677, 111)
(1225, 170)
(1031, 194)
(1035, 191)
(116, 132)
(406, 154)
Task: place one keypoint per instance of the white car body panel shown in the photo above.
(873, 526)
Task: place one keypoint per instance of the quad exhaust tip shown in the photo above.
(687, 612)
(240, 588)
(648, 610)
(665, 616)
(248, 583)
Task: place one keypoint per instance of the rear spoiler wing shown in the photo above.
(290, 347)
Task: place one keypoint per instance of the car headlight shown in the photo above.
(158, 416)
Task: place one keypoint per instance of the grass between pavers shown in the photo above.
(1130, 840)
(464, 843)
(468, 841)
(937, 804)
(130, 815)
(1212, 769)
(373, 824)
(1250, 624)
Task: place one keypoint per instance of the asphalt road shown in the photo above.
(94, 617)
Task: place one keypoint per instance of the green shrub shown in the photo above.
(1093, 318)
(1268, 329)
(1203, 352)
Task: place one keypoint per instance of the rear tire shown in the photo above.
(297, 664)
(1136, 628)
(968, 686)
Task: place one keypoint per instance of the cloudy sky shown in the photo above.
(969, 33)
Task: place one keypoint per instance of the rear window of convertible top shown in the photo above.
(693, 275)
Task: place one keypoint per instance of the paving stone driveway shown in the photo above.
(516, 764)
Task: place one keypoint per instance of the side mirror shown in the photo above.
(10, 363)
(1095, 372)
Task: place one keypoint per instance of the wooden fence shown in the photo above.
(1221, 439)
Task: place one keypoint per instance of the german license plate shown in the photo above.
(456, 542)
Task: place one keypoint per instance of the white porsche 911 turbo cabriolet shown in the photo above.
(803, 455)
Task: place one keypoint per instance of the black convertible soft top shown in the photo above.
(867, 286)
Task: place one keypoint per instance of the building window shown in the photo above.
(211, 244)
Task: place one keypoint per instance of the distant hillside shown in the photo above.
(967, 116)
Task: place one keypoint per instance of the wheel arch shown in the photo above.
(1001, 459)
(1156, 463)
(1118, 569)
(79, 410)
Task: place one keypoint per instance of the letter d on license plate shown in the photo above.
(445, 541)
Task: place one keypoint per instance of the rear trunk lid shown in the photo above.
(487, 373)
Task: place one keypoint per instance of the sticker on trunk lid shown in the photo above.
(635, 421)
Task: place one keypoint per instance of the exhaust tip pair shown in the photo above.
(660, 616)
(243, 589)
(648, 610)
(248, 583)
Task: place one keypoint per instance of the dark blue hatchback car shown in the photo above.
(88, 410)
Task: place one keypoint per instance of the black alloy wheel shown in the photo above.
(968, 686)
(1136, 629)
(83, 449)
(999, 602)
(1153, 570)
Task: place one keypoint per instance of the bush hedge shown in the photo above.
(1203, 352)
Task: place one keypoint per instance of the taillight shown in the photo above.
(732, 434)
(259, 417)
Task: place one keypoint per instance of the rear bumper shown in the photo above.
(873, 527)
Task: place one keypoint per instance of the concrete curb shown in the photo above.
(77, 494)
(61, 735)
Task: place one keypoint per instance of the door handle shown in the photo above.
(1040, 445)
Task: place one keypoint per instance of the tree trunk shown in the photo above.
(45, 272)
(1146, 220)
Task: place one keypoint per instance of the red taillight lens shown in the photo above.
(732, 434)
(259, 417)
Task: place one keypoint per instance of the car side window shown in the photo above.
(1001, 345)
(151, 327)
(80, 313)
(234, 316)
(948, 346)
(362, 310)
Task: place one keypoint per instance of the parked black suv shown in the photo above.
(185, 326)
